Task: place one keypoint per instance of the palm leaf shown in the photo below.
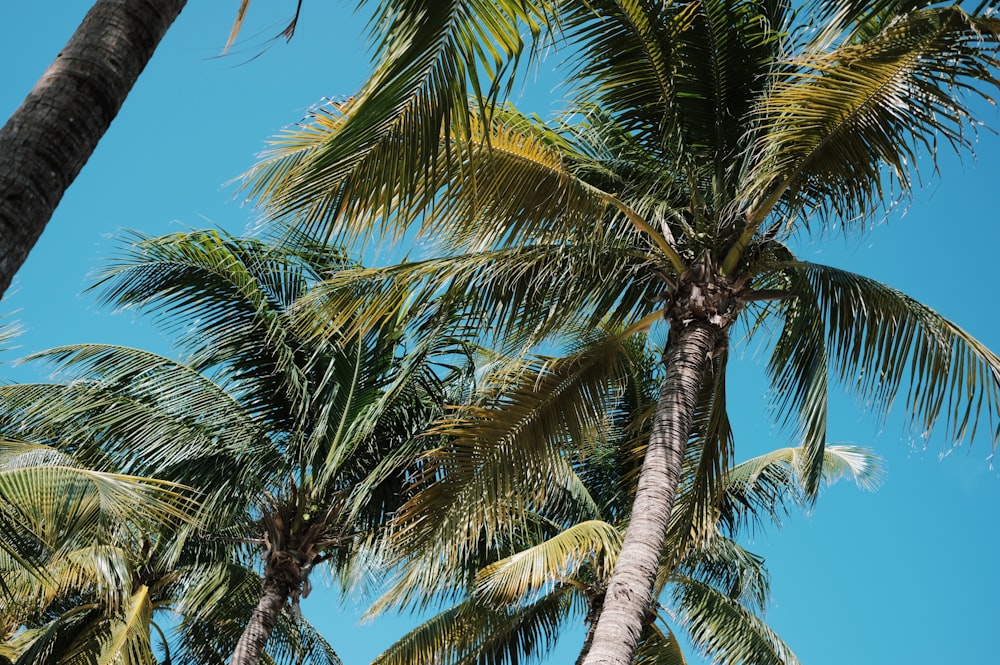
(680, 78)
(144, 414)
(878, 336)
(519, 296)
(128, 639)
(389, 133)
(87, 568)
(557, 402)
(49, 496)
(657, 648)
(224, 297)
(842, 127)
(535, 570)
(474, 634)
(798, 369)
(761, 489)
(724, 629)
(53, 643)
(726, 566)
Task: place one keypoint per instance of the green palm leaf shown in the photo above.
(839, 124)
(879, 336)
(724, 629)
(535, 570)
(799, 372)
(128, 638)
(428, 53)
(556, 402)
(54, 643)
(222, 296)
(658, 648)
(474, 634)
(46, 494)
(762, 489)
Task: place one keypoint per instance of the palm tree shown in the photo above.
(532, 557)
(79, 537)
(109, 603)
(701, 138)
(297, 447)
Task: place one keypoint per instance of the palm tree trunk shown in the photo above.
(630, 591)
(587, 641)
(595, 602)
(51, 135)
(265, 616)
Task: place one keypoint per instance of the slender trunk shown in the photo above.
(596, 604)
(51, 135)
(250, 646)
(630, 591)
(587, 643)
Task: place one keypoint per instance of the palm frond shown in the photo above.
(558, 401)
(143, 414)
(9, 331)
(517, 296)
(295, 641)
(224, 298)
(877, 337)
(47, 494)
(428, 53)
(176, 391)
(540, 568)
(723, 629)
(55, 643)
(799, 373)
(474, 634)
(659, 648)
(761, 489)
(725, 565)
(842, 128)
(127, 642)
(213, 601)
(681, 79)
(628, 55)
(516, 186)
(83, 567)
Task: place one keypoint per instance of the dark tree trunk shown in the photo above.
(630, 591)
(592, 615)
(250, 646)
(51, 135)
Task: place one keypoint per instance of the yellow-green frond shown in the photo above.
(556, 561)
(842, 129)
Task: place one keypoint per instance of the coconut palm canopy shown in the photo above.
(700, 137)
(888, 532)
(296, 451)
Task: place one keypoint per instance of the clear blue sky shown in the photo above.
(904, 575)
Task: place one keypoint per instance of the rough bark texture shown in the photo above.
(51, 135)
(630, 591)
(265, 617)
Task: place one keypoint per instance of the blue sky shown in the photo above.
(906, 574)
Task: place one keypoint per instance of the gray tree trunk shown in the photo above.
(51, 135)
(630, 590)
(250, 646)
